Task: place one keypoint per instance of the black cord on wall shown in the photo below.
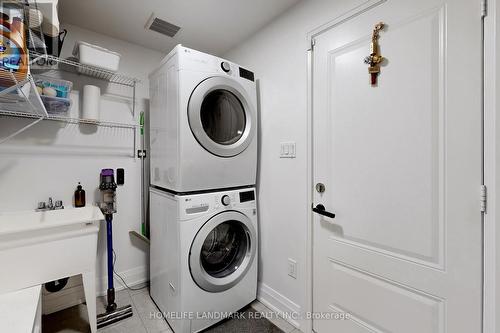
(120, 277)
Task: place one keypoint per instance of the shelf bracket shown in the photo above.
(21, 130)
(35, 111)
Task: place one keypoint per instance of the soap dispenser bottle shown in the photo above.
(79, 196)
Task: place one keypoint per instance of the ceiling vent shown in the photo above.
(163, 27)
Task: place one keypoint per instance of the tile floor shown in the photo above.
(74, 320)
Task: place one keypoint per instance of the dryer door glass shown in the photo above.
(224, 249)
(223, 117)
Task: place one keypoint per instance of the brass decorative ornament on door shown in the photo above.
(375, 58)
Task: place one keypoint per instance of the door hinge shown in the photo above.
(313, 42)
(484, 198)
(141, 153)
(484, 8)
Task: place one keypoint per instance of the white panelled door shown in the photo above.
(401, 168)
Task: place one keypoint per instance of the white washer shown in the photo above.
(203, 255)
(203, 123)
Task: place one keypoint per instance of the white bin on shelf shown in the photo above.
(93, 55)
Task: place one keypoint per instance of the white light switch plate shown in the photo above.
(288, 150)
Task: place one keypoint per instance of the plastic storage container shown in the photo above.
(56, 106)
(93, 55)
(62, 87)
(59, 104)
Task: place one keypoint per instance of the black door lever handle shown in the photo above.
(321, 210)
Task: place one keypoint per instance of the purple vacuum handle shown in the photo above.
(107, 172)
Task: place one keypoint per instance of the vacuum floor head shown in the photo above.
(114, 316)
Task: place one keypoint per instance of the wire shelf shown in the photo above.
(88, 70)
(22, 97)
(67, 119)
(19, 97)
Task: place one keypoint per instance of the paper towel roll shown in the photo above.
(91, 102)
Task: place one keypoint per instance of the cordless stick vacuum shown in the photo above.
(108, 207)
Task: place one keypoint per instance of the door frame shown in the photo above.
(491, 237)
(491, 292)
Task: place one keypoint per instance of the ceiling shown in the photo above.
(213, 26)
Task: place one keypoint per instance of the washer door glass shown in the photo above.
(222, 251)
(221, 116)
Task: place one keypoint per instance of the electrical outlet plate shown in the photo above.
(288, 150)
(292, 268)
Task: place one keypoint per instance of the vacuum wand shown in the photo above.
(108, 208)
(109, 239)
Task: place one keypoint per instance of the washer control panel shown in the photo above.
(226, 200)
(226, 67)
(247, 196)
(195, 204)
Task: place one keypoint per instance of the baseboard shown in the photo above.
(278, 303)
(134, 277)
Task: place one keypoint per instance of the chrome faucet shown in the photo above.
(50, 206)
(42, 206)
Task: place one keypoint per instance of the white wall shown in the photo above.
(51, 157)
(278, 56)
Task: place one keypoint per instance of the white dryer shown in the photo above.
(203, 255)
(203, 123)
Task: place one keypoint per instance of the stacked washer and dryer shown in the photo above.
(203, 140)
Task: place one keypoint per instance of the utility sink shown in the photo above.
(26, 221)
(38, 247)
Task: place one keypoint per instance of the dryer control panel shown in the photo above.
(197, 204)
(198, 61)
